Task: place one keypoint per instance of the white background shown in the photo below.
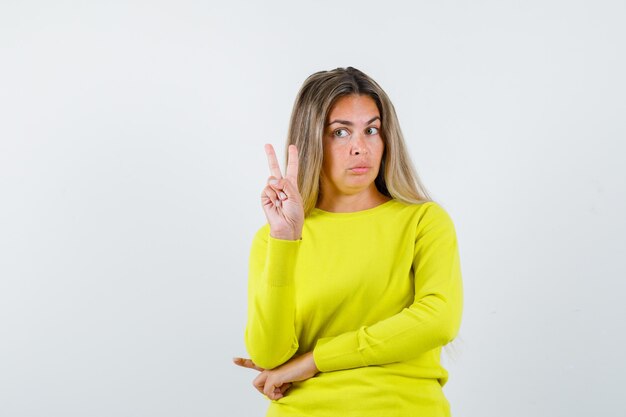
(131, 161)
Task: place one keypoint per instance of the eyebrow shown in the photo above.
(349, 123)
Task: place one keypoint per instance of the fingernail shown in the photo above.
(273, 181)
(282, 195)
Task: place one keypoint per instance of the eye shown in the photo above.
(372, 130)
(340, 133)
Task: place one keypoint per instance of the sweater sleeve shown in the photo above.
(270, 335)
(432, 320)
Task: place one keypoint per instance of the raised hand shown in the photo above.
(281, 198)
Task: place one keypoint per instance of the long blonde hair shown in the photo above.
(397, 177)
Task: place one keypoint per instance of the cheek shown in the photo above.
(331, 159)
(380, 148)
(326, 155)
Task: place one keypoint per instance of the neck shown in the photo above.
(348, 203)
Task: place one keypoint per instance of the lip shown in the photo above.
(360, 169)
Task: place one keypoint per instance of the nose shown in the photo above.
(358, 144)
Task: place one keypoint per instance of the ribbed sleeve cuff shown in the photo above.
(281, 261)
(336, 353)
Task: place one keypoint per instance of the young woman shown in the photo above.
(355, 280)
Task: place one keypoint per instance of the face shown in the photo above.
(353, 147)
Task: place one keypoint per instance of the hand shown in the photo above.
(247, 363)
(281, 198)
(275, 382)
(271, 382)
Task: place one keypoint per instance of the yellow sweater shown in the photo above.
(374, 294)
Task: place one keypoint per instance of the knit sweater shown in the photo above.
(374, 294)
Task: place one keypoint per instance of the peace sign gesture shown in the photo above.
(281, 199)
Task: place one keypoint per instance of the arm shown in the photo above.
(432, 320)
(270, 333)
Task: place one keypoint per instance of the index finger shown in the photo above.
(246, 363)
(292, 164)
(273, 161)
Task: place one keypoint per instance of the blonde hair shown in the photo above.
(397, 177)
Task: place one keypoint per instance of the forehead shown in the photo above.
(354, 107)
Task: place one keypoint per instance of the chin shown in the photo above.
(358, 184)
